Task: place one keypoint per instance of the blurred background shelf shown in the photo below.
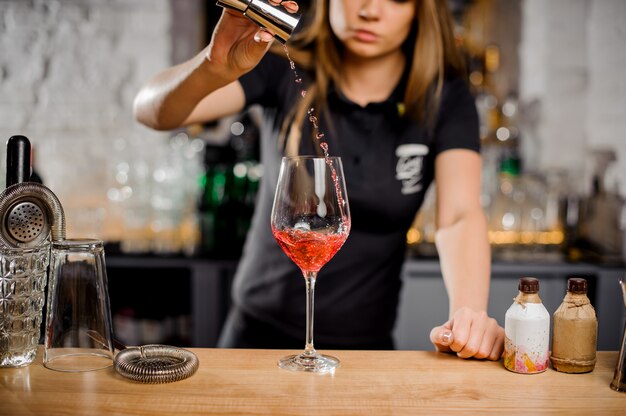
(184, 301)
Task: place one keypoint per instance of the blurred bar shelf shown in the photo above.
(423, 299)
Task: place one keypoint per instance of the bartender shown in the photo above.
(388, 87)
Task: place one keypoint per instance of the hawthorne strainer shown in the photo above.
(30, 213)
(156, 363)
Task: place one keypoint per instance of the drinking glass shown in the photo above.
(23, 276)
(311, 221)
(78, 317)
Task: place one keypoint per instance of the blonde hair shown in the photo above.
(430, 47)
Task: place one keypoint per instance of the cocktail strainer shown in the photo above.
(156, 363)
(29, 214)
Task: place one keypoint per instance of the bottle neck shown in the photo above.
(523, 298)
(577, 299)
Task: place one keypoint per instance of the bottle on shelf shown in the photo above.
(230, 185)
(575, 331)
(527, 331)
(601, 229)
(505, 211)
(213, 225)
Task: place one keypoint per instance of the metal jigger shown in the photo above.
(619, 379)
(273, 18)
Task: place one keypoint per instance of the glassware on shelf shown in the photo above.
(153, 196)
(602, 228)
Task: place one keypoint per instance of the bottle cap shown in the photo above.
(528, 285)
(577, 285)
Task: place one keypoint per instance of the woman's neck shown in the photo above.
(370, 80)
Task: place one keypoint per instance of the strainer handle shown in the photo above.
(18, 160)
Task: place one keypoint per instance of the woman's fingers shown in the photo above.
(470, 334)
(498, 345)
(263, 36)
(442, 337)
(489, 341)
(475, 326)
(289, 5)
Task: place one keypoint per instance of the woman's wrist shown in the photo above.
(216, 73)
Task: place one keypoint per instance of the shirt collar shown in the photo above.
(393, 105)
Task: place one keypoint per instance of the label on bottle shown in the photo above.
(527, 331)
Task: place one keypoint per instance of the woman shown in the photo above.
(385, 81)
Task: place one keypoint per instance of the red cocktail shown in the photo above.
(311, 221)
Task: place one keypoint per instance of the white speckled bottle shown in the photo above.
(527, 330)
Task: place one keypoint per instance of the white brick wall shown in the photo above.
(606, 103)
(69, 70)
(573, 55)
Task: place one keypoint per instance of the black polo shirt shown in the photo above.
(388, 163)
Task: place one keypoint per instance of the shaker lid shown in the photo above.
(577, 285)
(528, 285)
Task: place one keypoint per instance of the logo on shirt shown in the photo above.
(409, 166)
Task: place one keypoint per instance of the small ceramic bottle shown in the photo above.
(575, 331)
(527, 330)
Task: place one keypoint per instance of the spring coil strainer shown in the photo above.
(156, 363)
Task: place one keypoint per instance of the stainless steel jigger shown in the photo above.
(619, 379)
(274, 18)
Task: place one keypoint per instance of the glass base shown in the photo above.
(17, 359)
(77, 360)
(315, 363)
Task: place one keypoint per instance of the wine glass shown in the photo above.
(311, 221)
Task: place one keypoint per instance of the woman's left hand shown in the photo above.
(470, 334)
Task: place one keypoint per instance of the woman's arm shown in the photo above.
(205, 87)
(465, 258)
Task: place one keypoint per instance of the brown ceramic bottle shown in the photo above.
(575, 332)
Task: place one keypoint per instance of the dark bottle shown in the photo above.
(253, 181)
(214, 216)
(18, 160)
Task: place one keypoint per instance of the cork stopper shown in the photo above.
(528, 285)
(577, 285)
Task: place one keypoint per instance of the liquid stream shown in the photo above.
(319, 136)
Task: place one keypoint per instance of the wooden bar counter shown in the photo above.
(367, 383)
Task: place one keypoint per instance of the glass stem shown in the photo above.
(309, 278)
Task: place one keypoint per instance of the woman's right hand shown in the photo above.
(203, 88)
(238, 44)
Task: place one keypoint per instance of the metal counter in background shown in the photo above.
(199, 290)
